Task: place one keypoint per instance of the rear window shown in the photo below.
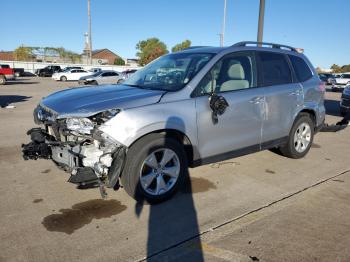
(274, 69)
(301, 69)
(4, 66)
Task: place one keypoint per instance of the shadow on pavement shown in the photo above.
(174, 221)
(16, 82)
(11, 99)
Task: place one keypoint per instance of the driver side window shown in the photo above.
(233, 72)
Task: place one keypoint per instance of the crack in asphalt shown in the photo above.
(242, 216)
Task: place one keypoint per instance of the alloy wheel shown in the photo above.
(160, 171)
(302, 137)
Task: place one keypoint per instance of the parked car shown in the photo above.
(345, 101)
(100, 78)
(6, 73)
(185, 109)
(341, 81)
(70, 75)
(19, 72)
(95, 70)
(327, 78)
(70, 68)
(48, 71)
(126, 74)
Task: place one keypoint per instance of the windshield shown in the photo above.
(96, 74)
(170, 73)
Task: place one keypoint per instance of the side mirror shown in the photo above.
(218, 105)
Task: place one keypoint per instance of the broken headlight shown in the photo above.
(80, 125)
(102, 117)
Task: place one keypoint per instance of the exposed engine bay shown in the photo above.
(77, 146)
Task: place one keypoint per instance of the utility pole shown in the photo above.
(261, 21)
(222, 35)
(90, 42)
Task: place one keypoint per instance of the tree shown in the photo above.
(185, 44)
(318, 70)
(345, 68)
(28, 53)
(119, 61)
(23, 53)
(335, 68)
(150, 49)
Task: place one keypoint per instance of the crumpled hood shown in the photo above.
(90, 100)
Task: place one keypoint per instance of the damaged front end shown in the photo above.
(77, 146)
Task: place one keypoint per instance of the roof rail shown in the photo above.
(272, 45)
(194, 47)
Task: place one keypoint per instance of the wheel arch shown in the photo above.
(177, 135)
(310, 112)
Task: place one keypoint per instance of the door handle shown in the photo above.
(256, 100)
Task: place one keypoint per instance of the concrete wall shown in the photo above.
(32, 66)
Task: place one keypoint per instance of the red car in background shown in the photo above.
(6, 73)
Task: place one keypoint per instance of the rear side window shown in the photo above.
(301, 69)
(274, 69)
(346, 75)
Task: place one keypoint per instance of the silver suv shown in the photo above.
(185, 109)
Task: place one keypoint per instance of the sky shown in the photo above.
(320, 27)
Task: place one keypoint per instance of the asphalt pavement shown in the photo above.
(260, 207)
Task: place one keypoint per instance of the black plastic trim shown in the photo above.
(240, 152)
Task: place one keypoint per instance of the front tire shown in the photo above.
(300, 138)
(63, 78)
(155, 167)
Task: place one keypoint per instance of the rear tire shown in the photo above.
(143, 177)
(63, 78)
(300, 138)
(2, 80)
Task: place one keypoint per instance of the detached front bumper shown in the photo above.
(97, 161)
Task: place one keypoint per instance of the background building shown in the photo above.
(6, 55)
(102, 57)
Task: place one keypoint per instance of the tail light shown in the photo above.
(322, 86)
